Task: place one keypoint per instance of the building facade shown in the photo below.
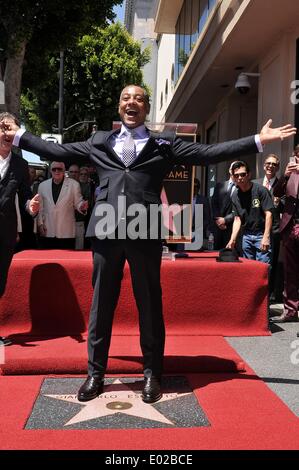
(214, 41)
(140, 23)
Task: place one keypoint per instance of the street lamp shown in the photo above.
(66, 129)
(60, 129)
(61, 86)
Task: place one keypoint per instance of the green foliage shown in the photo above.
(96, 70)
(183, 57)
(49, 24)
(33, 121)
(41, 27)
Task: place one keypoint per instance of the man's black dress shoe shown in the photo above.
(5, 341)
(92, 387)
(284, 318)
(152, 390)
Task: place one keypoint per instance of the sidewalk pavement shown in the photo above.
(275, 359)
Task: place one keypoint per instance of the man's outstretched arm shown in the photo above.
(201, 154)
(269, 134)
(49, 150)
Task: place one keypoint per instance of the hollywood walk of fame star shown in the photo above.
(125, 400)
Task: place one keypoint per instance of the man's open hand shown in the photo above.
(34, 204)
(269, 134)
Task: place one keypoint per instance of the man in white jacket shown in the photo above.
(59, 197)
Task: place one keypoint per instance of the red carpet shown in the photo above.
(49, 294)
(68, 356)
(45, 310)
(242, 411)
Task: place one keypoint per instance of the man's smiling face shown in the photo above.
(133, 106)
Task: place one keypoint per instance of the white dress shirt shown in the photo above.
(231, 187)
(4, 163)
(270, 182)
(140, 136)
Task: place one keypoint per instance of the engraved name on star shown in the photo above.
(124, 400)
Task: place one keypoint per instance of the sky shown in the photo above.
(120, 12)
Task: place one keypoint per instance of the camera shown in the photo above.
(243, 89)
(242, 84)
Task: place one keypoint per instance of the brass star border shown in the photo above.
(119, 407)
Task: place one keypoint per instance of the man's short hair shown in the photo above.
(85, 168)
(272, 155)
(59, 163)
(74, 165)
(145, 93)
(9, 116)
(231, 166)
(240, 164)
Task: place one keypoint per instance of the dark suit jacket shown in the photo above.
(276, 211)
(207, 219)
(222, 203)
(142, 181)
(288, 187)
(15, 180)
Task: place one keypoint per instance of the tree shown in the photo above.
(96, 69)
(49, 24)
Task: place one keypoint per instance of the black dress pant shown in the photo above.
(276, 270)
(6, 254)
(144, 259)
(222, 237)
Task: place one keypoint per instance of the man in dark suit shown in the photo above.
(200, 199)
(288, 185)
(269, 181)
(222, 211)
(14, 179)
(131, 164)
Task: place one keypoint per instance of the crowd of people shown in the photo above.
(66, 202)
(249, 216)
(132, 163)
(259, 219)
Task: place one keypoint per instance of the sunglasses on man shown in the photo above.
(271, 164)
(57, 169)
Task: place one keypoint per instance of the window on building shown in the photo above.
(191, 21)
(172, 74)
(166, 89)
(203, 14)
(161, 100)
